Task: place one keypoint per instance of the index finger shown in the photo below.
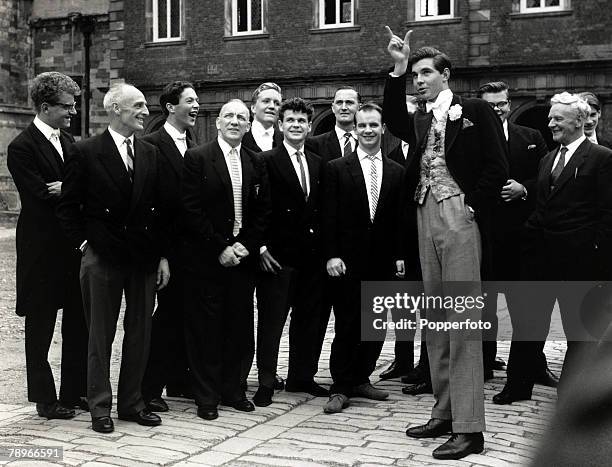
(389, 32)
(407, 37)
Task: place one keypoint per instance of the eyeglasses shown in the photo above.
(65, 106)
(499, 105)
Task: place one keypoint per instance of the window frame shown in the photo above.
(335, 25)
(418, 17)
(234, 19)
(563, 5)
(155, 21)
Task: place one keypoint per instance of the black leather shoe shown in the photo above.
(80, 404)
(415, 376)
(208, 413)
(157, 404)
(419, 388)
(511, 393)
(102, 424)
(54, 410)
(309, 387)
(460, 445)
(145, 417)
(432, 429)
(395, 370)
(547, 378)
(279, 383)
(244, 405)
(263, 396)
(499, 364)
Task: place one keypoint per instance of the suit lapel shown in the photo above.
(422, 122)
(334, 145)
(385, 185)
(452, 128)
(220, 166)
(313, 174)
(354, 169)
(572, 167)
(113, 163)
(47, 150)
(285, 166)
(171, 152)
(247, 174)
(141, 170)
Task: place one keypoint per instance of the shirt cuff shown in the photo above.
(82, 247)
(263, 249)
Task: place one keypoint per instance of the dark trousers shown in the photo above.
(218, 327)
(102, 285)
(39, 329)
(167, 363)
(302, 290)
(352, 360)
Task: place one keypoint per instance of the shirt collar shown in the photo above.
(291, 150)
(593, 138)
(361, 154)
(574, 145)
(340, 133)
(120, 139)
(258, 129)
(225, 146)
(173, 132)
(45, 129)
(505, 127)
(442, 102)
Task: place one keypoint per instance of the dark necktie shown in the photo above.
(554, 175)
(130, 159)
(347, 144)
(298, 156)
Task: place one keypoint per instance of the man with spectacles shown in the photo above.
(47, 266)
(516, 202)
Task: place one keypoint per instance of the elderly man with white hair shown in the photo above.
(567, 237)
(109, 209)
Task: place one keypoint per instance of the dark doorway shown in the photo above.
(537, 117)
(326, 124)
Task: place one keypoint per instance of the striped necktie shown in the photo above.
(236, 190)
(130, 159)
(373, 187)
(347, 144)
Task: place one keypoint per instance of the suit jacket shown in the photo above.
(249, 142)
(292, 234)
(575, 219)
(368, 249)
(44, 256)
(325, 145)
(604, 139)
(123, 222)
(208, 207)
(397, 155)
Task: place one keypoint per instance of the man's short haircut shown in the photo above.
(576, 102)
(440, 59)
(591, 99)
(494, 87)
(115, 95)
(264, 87)
(296, 104)
(236, 101)
(371, 107)
(171, 94)
(348, 88)
(46, 87)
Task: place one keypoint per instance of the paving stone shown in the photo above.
(289, 420)
(238, 445)
(213, 458)
(264, 431)
(274, 461)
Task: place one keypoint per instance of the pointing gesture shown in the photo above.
(399, 49)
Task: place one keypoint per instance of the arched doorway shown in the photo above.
(323, 123)
(537, 117)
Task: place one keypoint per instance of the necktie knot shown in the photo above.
(54, 136)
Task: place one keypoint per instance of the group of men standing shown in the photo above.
(300, 221)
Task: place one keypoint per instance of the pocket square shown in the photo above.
(531, 146)
(257, 189)
(466, 124)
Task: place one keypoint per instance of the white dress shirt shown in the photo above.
(505, 127)
(340, 135)
(405, 148)
(571, 149)
(296, 165)
(226, 148)
(180, 139)
(441, 105)
(52, 134)
(121, 146)
(264, 138)
(365, 162)
(593, 138)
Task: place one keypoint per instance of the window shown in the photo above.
(434, 9)
(336, 13)
(166, 20)
(247, 17)
(537, 6)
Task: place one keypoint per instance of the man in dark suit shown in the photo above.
(361, 220)
(47, 267)
(567, 238)
(342, 140)
(264, 134)
(292, 269)
(526, 147)
(590, 126)
(110, 210)
(456, 175)
(167, 365)
(225, 203)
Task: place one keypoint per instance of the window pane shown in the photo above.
(175, 18)
(330, 11)
(161, 19)
(552, 2)
(345, 10)
(444, 7)
(533, 3)
(242, 15)
(255, 15)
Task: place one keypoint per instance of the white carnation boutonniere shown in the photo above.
(455, 112)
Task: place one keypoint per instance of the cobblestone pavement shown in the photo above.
(293, 431)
